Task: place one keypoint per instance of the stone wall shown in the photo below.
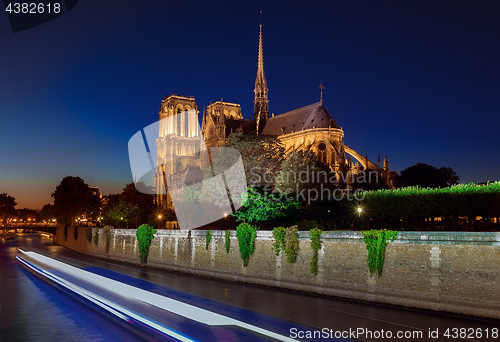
(454, 272)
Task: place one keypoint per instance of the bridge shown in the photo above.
(39, 227)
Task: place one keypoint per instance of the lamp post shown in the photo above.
(225, 215)
(159, 218)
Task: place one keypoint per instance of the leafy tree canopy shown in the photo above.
(73, 198)
(130, 195)
(129, 207)
(262, 156)
(47, 212)
(124, 213)
(426, 176)
(301, 170)
(263, 205)
(7, 205)
(369, 180)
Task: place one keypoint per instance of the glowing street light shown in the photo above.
(360, 210)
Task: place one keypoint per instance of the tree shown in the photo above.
(263, 205)
(130, 206)
(369, 180)
(47, 213)
(426, 176)
(131, 195)
(124, 213)
(262, 156)
(449, 176)
(301, 170)
(7, 206)
(72, 198)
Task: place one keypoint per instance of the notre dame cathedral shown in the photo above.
(307, 128)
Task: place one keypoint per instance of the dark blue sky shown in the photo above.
(417, 80)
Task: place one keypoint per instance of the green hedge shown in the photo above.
(469, 200)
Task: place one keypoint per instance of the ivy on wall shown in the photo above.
(208, 237)
(96, 236)
(88, 234)
(228, 240)
(145, 233)
(246, 234)
(315, 236)
(376, 241)
(279, 243)
(286, 239)
(106, 233)
(292, 244)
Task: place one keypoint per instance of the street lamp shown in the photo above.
(360, 210)
(225, 215)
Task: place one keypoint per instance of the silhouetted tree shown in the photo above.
(449, 176)
(368, 180)
(47, 212)
(144, 202)
(426, 176)
(72, 198)
(7, 206)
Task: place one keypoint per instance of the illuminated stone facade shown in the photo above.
(308, 128)
(177, 142)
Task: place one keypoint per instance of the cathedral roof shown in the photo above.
(312, 116)
(239, 126)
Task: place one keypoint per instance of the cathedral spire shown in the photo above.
(321, 96)
(261, 107)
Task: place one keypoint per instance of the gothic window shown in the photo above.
(322, 153)
(178, 117)
(186, 124)
(211, 133)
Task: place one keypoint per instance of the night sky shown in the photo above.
(417, 80)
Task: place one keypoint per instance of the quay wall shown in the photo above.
(457, 272)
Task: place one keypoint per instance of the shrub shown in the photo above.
(145, 233)
(246, 234)
(415, 202)
(88, 233)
